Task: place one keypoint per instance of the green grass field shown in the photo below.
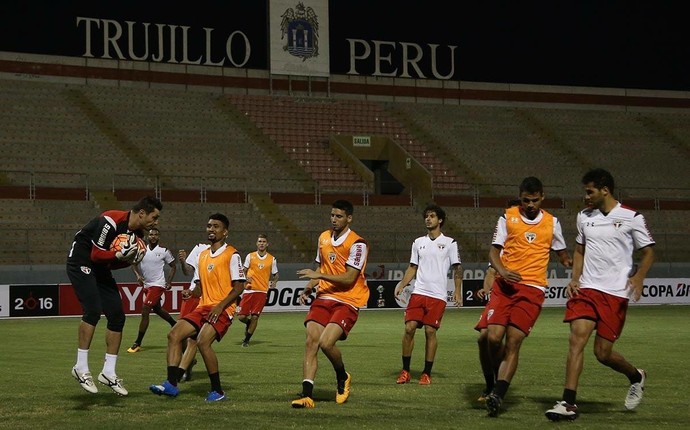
(37, 391)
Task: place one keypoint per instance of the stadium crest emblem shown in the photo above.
(301, 26)
(530, 236)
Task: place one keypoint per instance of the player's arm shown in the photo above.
(187, 269)
(273, 280)
(235, 292)
(457, 281)
(196, 291)
(564, 258)
(489, 278)
(410, 273)
(496, 263)
(100, 248)
(559, 246)
(137, 273)
(578, 264)
(171, 274)
(636, 281)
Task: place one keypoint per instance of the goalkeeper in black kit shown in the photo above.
(89, 267)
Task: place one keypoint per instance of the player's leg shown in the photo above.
(188, 360)
(207, 335)
(580, 331)
(143, 327)
(115, 316)
(164, 314)
(327, 343)
(430, 347)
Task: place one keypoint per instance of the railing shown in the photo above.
(53, 248)
(39, 182)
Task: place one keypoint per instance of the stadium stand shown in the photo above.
(84, 148)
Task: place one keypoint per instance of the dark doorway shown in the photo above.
(384, 182)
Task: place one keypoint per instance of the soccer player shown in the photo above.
(604, 280)
(222, 279)
(188, 263)
(342, 290)
(151, 275)
(489, 368)
(521, 246)
(262, 274)
(89, 266)
(432, 256)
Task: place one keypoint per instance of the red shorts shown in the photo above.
(425, 310)
(199, 316)
(607, 310)
(514, 304)
(323, 312)
(188, 306)
(481, 324)
(152, 296)
(252, 304)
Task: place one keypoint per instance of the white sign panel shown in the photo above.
(4, 301)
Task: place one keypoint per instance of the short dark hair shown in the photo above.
(148, 204)
(440, 213)
(262, 236)
(220, 217)
(154, 229)
(344, 205)
(600, 178)
(513, 202)
(531, 185)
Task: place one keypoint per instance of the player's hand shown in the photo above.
(140, 280)
(168, 285)
(635, 288)
(186, 294)
(481, 294)
(457, 298)
(304, 296)
(182, 255)
(572, 289)
(398, 288)
(129, 251)
(215, 314)
(511, 276)
(308, 274)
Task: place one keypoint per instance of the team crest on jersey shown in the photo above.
(86, 270)
(530, 236)
(617, 224)
(331, 257)
(209, 267)
(300, 29)
(261, 266)
(441, 246)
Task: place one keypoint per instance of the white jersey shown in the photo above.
(152, 266)
(609, 242)
(193, 260)
(433, 258)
